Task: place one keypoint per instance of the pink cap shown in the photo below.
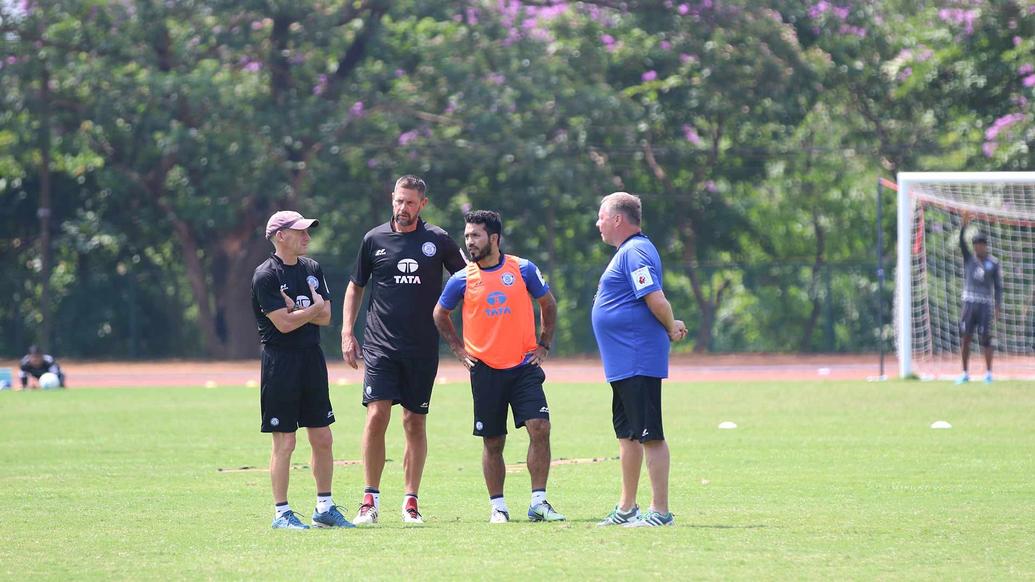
(288, 219)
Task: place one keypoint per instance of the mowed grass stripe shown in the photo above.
(819, 480)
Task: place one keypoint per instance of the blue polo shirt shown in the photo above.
(631, 340)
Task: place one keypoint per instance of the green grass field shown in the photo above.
(820, 480)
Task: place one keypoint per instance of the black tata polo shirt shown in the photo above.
(404, 272)
(272, 276)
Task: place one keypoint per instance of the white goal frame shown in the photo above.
(903, 275)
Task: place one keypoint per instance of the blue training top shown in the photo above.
(631, 340)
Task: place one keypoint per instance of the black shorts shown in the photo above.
(493, 390)
(636, 409)
(294, 389)
(401, 379)
(977, 319)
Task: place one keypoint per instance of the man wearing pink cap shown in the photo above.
(290, 300)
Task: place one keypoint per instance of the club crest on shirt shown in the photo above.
(312, 281)
(508, 279)
(641, 278)
(429, 249)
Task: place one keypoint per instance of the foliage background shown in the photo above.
(161, 134)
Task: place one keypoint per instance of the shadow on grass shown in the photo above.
(679, 524)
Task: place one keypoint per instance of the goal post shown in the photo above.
(929, 271)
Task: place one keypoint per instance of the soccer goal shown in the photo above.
(929, 274)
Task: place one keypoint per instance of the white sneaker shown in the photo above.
(367, 515)
(411, 515)
(499, 516)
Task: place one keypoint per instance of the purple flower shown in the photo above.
(989, 148)
(253, 66)
(497, 78)
(1017, 41)
(407, 137)
(373, 163)
(1002, 123)
(905, 73)
(959, 17)
(691, 134)
(683, 9)
(818, 9)
(665, 45)
(686, 59)
(841, 12)
(649, 76)
(472, 16)
(710, 186)
(257, 25)
(321, 85)
(356, 110)
(1025, 69)
(1029, 81)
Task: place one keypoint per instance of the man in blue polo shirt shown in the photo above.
(634, 324)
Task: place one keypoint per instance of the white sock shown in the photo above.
(376, 495)
(499, 504)
(281, 509)
(538, 496)
(323, 503)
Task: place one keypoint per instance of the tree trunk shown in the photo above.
(45, 305)
(240, 252)
(817, 267)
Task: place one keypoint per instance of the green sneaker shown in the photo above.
(544, 512)
(653, 519)
(616, 517)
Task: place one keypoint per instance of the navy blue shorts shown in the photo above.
(521, 388)
(294, 390)
(977, 320)
(401, 379)
(636, 409)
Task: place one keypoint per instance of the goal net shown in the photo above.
(929, 277)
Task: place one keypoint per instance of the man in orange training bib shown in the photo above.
(501, 351)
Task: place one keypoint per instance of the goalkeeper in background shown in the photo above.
(982, 297)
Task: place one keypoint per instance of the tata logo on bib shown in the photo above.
(407, 266)
(497, 304)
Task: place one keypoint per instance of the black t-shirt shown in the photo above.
(47, 365)
(272, 276)
(406, 268)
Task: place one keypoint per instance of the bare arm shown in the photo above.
(324, 316)
(662, 310)
(548, 322)
(447, 330)
(963, 236)
(997, 283)
(350, 348)
(288, 319)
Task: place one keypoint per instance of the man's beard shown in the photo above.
(404, 222)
